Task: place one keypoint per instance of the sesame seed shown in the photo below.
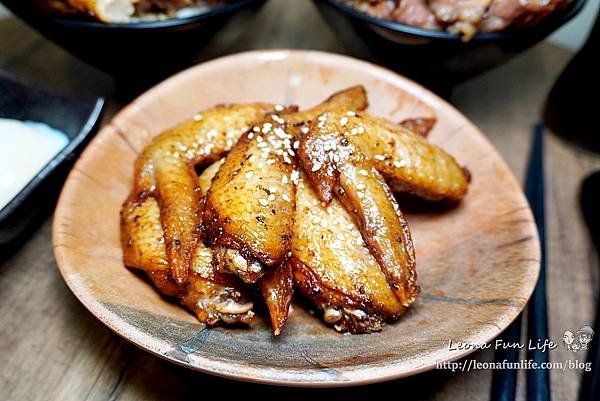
(290, 152)
(270, 162)
(336, 158)
(271, 198)
(260, 165)
(400, 163)
(361, 129)
(322, 118)
(256, 129)
(380, 157)
(259, 138)
(275, 117)
(279, 107)
(294, 177)
(296, 144)
(321, 124)
(263, 202)
(250, 135)
(249, 174)
(316, 167)
(364, 173)
(350, 114)
(304, 129)
(343, 121)
(284, 179)
(261, 144)
(286, 198)
(197, 117)
(272, 190)
(287, 160)
(360, 186)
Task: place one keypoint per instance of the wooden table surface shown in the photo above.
(52, 348)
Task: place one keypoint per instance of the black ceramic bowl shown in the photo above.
(436, 58)
(141, 52)
(78, 117)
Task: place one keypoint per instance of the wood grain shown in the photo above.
(52, 348)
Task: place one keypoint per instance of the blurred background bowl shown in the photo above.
(437, 59)
(78, 117)
(137, 54)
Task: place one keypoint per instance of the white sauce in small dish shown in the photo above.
(25, 148)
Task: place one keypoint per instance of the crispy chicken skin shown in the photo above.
(337, 168)
(408, 162)
(334, 268)
(165, 171)
(249, 206)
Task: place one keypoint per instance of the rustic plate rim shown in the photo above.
(211, 366)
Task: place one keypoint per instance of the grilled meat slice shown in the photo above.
(415, 13)
(518, 13)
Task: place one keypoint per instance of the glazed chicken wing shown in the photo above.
(248, 215)
(337, 168)
(419, 126)
(165, 171)
(212, 297)
(408, 162)
(334, 268)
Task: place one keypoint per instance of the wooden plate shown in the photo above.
(477, 264)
